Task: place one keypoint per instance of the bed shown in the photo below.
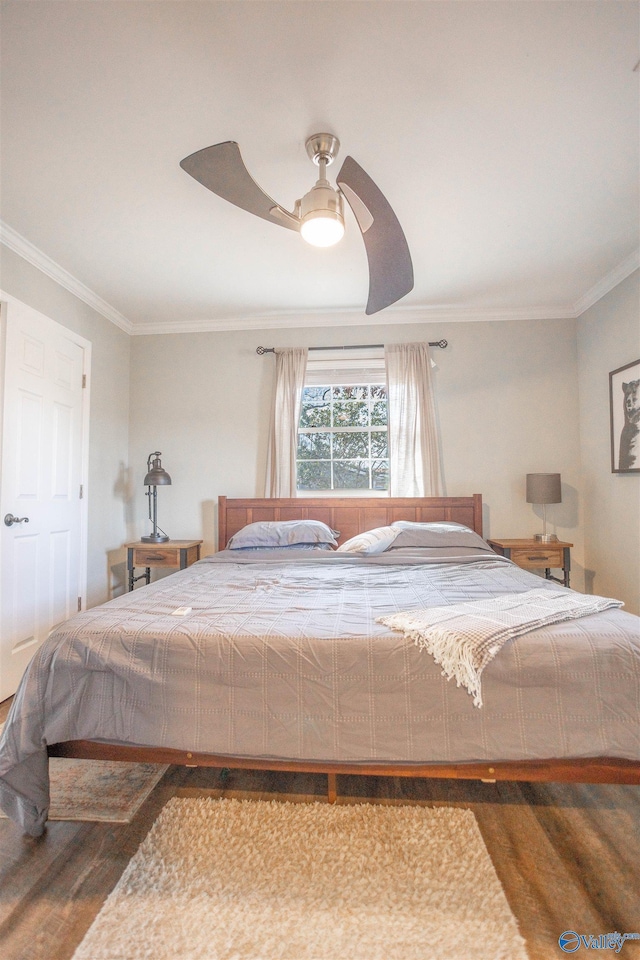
(276, 660)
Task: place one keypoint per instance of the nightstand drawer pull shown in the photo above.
(540, 556)
(154, 558)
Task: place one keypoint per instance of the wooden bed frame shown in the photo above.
(352, 515)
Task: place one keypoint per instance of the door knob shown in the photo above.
(9, 520)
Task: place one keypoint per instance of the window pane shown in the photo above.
(379, 443)
(314, 475)
(350, 413)
(351, 446)
(350, 474)
(378, 391)
(316, 407)
(314, 446)
(351, 393)
(311, 394)
(379, 413)
(380, 475)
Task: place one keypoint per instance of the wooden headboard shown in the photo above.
(349, 515)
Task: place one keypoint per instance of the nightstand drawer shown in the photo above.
(534, 557)
(153, 556)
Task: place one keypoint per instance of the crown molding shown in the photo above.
(12, 239)
(611, 280)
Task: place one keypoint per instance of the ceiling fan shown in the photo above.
(319, 215)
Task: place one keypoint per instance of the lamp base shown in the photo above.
(158, 538)
(545, 537)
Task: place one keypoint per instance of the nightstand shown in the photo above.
(171, 553)
(535, 555)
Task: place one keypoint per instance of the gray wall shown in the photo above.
(109, 425)
(507, 405)
(608, 338)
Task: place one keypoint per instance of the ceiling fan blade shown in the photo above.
(220, 168)
(390, 267)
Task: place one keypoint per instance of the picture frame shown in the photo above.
(624, 406)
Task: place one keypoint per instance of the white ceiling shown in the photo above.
(504, 135)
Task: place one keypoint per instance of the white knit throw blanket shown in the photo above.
(464, 637)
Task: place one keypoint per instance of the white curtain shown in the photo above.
(414, 457)
(291, 364)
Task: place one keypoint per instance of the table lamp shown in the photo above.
(544, 488)
(155, 477)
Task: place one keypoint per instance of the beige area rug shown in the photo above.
(266, 880)
(101, 790)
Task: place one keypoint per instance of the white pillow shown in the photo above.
(372, 541)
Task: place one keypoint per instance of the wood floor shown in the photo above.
(568, 856)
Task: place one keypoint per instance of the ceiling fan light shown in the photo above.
(321, 215)
(322, 228)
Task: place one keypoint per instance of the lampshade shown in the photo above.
(544, 488)
(156, 476)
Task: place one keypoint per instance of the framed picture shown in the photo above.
(624, 403)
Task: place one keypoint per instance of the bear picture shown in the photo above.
(624, 399)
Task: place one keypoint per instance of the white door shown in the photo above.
(42, 498)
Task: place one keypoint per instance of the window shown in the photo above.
(342, 437)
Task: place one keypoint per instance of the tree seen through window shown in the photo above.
(342, 438)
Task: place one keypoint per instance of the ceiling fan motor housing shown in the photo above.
(320, 200)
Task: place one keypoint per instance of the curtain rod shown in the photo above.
(353, 346)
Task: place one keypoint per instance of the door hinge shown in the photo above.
(81, 491)
(79, 604)
(84, 380)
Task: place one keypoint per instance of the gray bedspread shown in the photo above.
(283, 658)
